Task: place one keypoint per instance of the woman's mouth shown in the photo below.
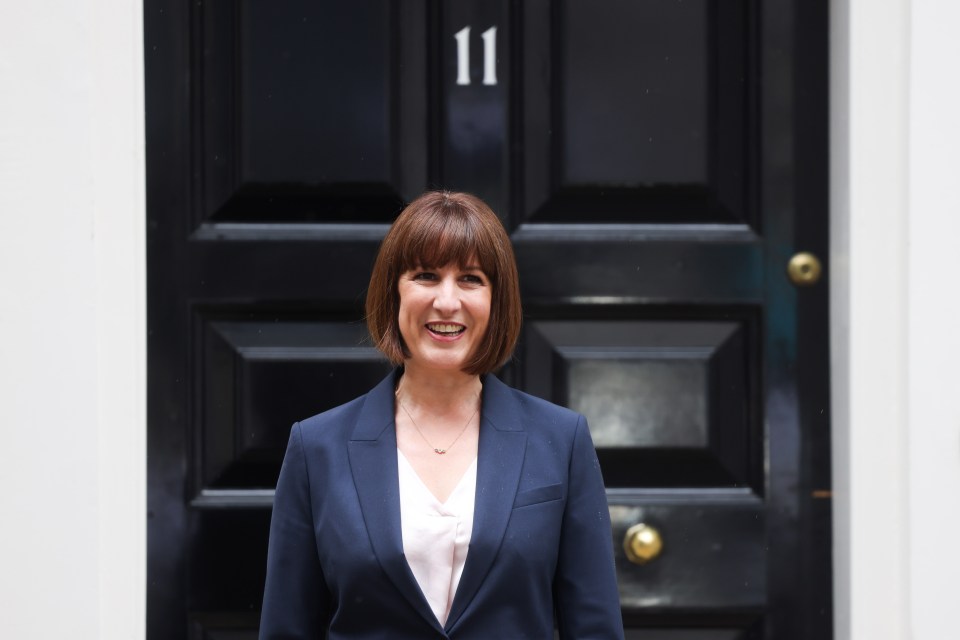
(445, 329)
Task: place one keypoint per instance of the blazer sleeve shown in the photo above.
(296, 601)
(586, 597)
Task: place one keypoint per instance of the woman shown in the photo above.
(442, 504)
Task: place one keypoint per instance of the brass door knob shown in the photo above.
(642, 543)
(804, 269)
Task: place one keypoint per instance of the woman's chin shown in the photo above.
(444, 362)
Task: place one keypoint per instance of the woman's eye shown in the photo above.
(472, 279)
(424, 275)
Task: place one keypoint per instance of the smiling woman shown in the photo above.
(437, 230)
(442, 503)
(443, 316)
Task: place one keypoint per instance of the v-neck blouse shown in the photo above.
(436, 535)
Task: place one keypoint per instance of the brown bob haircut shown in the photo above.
(437, 229)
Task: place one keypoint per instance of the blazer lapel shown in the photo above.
(499, 461)
(373, 462)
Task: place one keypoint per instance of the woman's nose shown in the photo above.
(447, 299)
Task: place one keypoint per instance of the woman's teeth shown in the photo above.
(446, 329)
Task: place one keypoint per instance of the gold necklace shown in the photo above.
(436, 450)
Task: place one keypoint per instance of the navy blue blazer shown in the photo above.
(541, 547)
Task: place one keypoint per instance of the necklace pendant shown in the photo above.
(436, 450)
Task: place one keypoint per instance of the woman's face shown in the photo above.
(444, 314)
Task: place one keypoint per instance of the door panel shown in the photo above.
(670, 403)
(308, 111)
(656, 164)
(259, 377)
(639, 112)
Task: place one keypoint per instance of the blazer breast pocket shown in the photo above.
(538, 495)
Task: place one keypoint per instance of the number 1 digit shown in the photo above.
(490, 56)
(463, 55)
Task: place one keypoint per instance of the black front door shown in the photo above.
(657, 164)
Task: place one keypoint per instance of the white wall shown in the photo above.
(72, 321)
(933, 320)
(868, 90)
(895, 223)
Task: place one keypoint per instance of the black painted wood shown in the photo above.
(638, 112)
(667, 400)
(656, 163)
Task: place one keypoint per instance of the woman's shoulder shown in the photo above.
(333, 424)
(538, 406)
(538, 414)
(335, 415)
(373, 409)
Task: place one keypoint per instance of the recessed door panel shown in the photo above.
(261, 376)
(670, 403)
(307, 110)
(657, 401)
(639, 112)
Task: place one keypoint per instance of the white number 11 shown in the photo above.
(489, 56)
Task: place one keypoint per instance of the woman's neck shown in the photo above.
(439, 392)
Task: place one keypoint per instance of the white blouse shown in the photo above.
(436, 535)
